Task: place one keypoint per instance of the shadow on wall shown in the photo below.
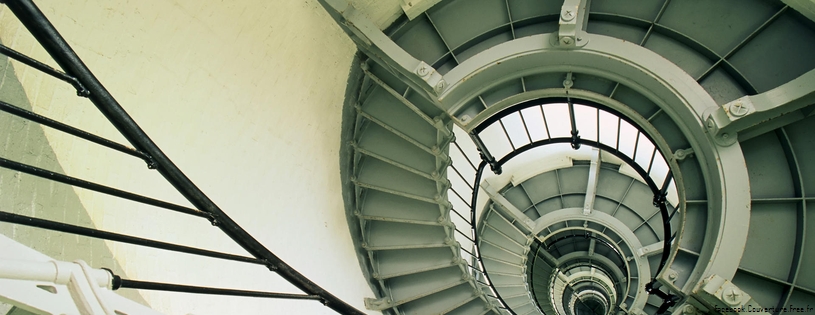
(25, 142)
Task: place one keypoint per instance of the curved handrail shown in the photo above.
(659, 191)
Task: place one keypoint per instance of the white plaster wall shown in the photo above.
(245, 96)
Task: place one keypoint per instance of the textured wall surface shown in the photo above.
(244, 96)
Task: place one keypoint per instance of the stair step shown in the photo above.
(440, 302)
(499, 222)
(516, 263)
(516, 238)
(386, 108)
(382, 142)
(495, 237)
(381, 204)
(509, 285)
(380, 235)
(494, 250)
(506, 280)
(392, 162)
(523, 308)
(470, 305)
(511, 291)
(493, 266)
(474, 306)
(381, 174)
(418, 285)
(394, 263)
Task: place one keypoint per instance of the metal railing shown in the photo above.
(659, 191)
(80, 77)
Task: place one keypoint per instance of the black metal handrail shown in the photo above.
(80, 77)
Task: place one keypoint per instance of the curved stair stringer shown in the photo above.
(399, 178)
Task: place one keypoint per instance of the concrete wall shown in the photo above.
(244, 96)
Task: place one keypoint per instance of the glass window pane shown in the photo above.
(534, 122)
(515, 129)
(645, 149)
(496, 140)
(558, 120)
(628, 138)
(608, 128)
(586, 119)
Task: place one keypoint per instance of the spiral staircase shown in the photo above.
(437, 98)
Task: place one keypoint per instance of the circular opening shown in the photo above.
(520, 141)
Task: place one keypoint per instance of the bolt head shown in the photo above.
(567, 15)
(689, 309)
(731, 295)
(566, 41)
(440, 86)
(738, 109)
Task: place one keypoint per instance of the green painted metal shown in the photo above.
(670, 64)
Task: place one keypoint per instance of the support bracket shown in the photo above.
(572, 24)
(379, 47)
(755, 114)
(722, 296)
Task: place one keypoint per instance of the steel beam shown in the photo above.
(592, 245)
(379, 47)
(594, 176)
(762, 112)
(508, 208)
(650, 250)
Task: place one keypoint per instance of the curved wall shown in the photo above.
(244, 96)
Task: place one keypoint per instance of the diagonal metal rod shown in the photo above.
(45, 33)
(19, 112)
(575, 132)
(31, 62)
(73, 181)
(119, 283)
(79, 230)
